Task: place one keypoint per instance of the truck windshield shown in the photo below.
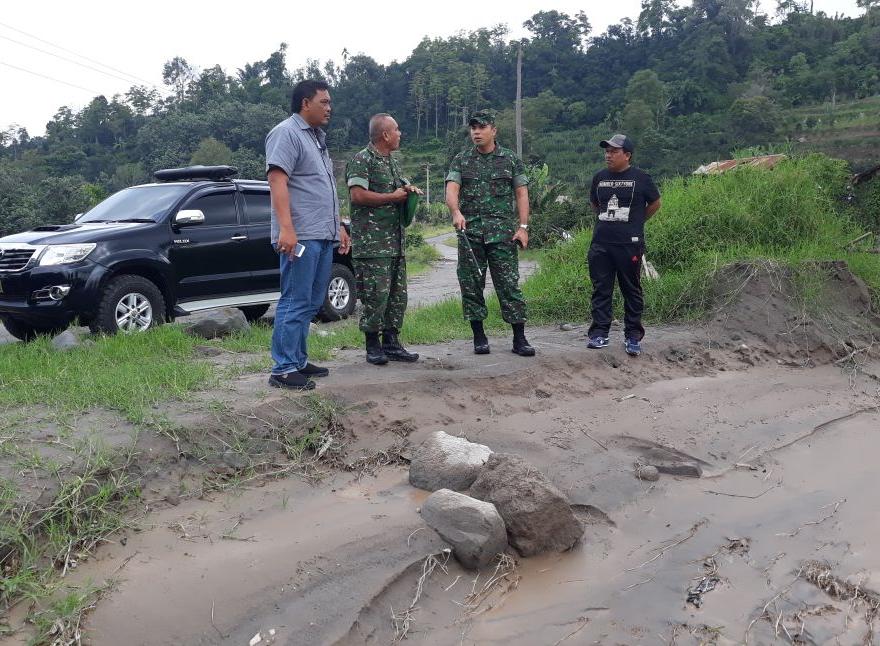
(137, 204)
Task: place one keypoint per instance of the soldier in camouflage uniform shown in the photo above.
(481, 187)
(377, 190)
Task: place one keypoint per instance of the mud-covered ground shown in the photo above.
(778, 407)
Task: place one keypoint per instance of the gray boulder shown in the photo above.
(444, 461)
(474, 528)
(537, 515)
(67, 340)
(219, 323)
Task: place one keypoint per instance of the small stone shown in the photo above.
(67, 340)
(685, 469)
(648, 472)
(235, 460)
(566, 327)
(208, 350)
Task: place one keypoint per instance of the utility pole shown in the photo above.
(518, 108)
(428, 185)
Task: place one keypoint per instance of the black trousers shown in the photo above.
(624, 262)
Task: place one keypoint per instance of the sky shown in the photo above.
(55, 54)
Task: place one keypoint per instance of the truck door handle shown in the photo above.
(239, 237)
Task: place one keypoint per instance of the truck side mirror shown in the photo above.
(189, 216)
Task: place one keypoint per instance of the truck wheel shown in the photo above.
(341, 294)
(129, 303)
(254, 312)
(27, 331)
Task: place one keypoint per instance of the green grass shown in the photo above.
(419, 259)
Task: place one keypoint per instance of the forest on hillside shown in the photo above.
(687, 82)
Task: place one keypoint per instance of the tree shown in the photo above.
(754, 119)
(177, 75)
(646, 86)
(211, 153)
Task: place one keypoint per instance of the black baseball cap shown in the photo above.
(618, 141)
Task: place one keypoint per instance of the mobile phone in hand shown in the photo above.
(299, 250)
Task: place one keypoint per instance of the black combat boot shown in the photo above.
(374, 350)
(520, 344)
(481, 343)
(393, 350)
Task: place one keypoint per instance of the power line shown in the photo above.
(64, 58)
(50, 78)
(70, 51)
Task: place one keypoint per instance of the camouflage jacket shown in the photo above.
(376, 231)
(487, 184)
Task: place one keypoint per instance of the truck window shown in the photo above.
(257, 206)
(219, 208)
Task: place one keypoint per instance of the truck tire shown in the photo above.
(26, 331)
(341, 294)
(254, 312)
(129, 303)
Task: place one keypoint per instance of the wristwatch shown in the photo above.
(524, 226)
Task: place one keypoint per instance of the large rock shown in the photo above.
(219, 323)
(444, 461)
(537, 515)
(474, 528)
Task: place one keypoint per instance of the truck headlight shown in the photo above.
(63, 254)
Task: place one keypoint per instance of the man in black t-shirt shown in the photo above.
(623, 197)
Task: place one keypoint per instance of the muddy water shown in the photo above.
(628, 583)
(311, 561)
(327, 564)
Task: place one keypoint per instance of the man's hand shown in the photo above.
(412, 188)
(344, 241)
(398, 196)
(521, 236)
(287, 242)
(458, 221)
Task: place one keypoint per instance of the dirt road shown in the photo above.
(441, 282)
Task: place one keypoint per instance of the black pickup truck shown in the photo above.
(195, 240)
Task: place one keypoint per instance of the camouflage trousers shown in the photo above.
(381, 284)
(503, 263)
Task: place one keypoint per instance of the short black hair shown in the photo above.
(306, 90)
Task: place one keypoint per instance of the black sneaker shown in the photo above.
(311, 370)
(291, 381)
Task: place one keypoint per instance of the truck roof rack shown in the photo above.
(216, 173)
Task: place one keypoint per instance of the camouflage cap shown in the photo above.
(483, 117)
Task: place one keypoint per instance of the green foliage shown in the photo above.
(754, 117)
(749, 207)
(211, 153)
(721, 75)
(790, 214)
